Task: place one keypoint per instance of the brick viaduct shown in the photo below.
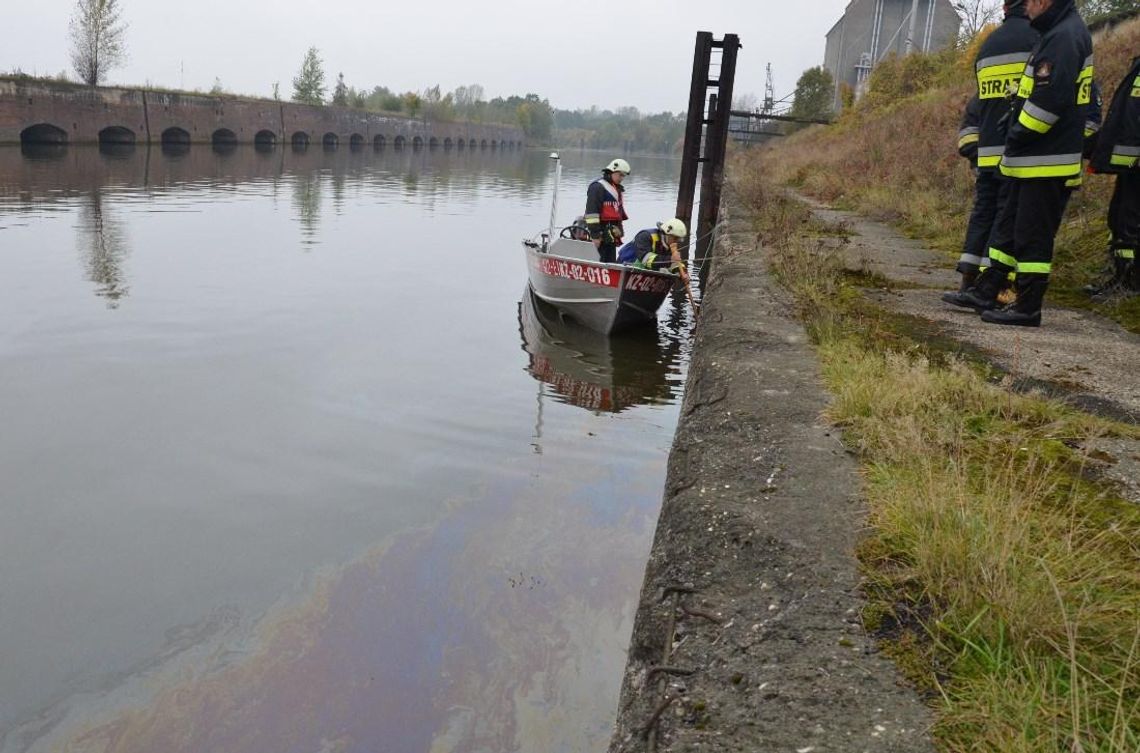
(43, 112)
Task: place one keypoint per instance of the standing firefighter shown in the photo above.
(1042, 155)
(605, 210)
(999, 64)
(1117, 152)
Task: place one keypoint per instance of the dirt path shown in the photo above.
(1083, 358)
(748, 635)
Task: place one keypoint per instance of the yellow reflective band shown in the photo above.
(1032, 123)
(1084, 85)
(1126, 253)
(970, 138)
(1002, 258)
(1120, 160)
(1034, 268)
(991, 161)
(1076, 182)
(1067, 170)
(998, 80)
(1025, 88)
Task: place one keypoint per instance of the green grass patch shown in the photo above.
(1003, 574)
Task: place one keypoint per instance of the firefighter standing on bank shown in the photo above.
(999, 64)
(605, 210)
(1118, 152)
(1042, 154)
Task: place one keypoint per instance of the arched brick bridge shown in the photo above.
(41, 112)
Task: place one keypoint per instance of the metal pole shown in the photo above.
(554, 203)
(691, 151)
(713, 176)
(913, 21)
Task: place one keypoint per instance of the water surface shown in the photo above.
(291, 464)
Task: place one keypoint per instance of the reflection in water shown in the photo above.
(307, 205)
(590, 370)
(103, 244)
(43, 152)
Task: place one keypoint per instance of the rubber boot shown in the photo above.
(982, 295)
(1026, 310)
(1112, 281)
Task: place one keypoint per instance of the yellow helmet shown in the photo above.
(673, 227)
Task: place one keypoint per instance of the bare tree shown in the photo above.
(97, 39)
(975, 15)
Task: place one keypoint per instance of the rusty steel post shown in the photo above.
(716, 142)
(694, 125)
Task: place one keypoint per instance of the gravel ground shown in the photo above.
(748, 635)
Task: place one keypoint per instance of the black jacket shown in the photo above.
(999, 66)
(605, 208)
(1119, 145)
(1047, 125)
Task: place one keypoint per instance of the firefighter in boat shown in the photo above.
(657, 248)
(605, 210)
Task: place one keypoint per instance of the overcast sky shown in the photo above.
(576, 54)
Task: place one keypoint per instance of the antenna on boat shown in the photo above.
(554, 202)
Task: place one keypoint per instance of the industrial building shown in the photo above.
(872, 29)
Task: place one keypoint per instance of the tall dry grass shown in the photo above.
(1005, 573)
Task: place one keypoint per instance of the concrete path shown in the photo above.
(748, 635)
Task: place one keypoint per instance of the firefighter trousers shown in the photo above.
(1124, 213)
(990, 191)
(1026, 228)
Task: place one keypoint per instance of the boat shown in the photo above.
(565, 272)
(585, 368)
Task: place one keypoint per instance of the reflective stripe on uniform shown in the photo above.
(971, 259)
(968, 136)
(1002, 258)
(1034, 268)
(592, 219)
(1042, 166)
(1025, 86)
(1037, 118)
(1124, 156)
(998, 74)
(1084, 82)
(1125, 253)
(990, 156)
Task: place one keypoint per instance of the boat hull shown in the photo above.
(607, 298)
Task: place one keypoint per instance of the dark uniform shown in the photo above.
(647, 249)
(1117, 152)
(999, 65)
(605, 213)
(1042, 156)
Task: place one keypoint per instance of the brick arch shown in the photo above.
(43, 133)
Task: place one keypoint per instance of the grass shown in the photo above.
(893, 157)
(1002, 573)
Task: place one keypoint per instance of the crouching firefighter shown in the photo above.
(1117, 152)
(998, 67)
(1043, 152)
(657, 248)
(605, 210)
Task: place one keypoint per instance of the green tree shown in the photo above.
(309, 85)
(814, 94)
(412, 103)
(97, 39)
(535, 117)
(340, 92)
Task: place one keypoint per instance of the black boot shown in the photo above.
(982, 295)
(1026, 310)
(969, 277)
(1111, 283)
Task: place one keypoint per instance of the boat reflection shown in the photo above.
(590, 370)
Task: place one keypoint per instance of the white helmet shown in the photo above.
(617, 166)
(673, 227)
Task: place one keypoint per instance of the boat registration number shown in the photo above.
(648, 283)
(579, 272)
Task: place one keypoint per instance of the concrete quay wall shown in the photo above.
(41, 112)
